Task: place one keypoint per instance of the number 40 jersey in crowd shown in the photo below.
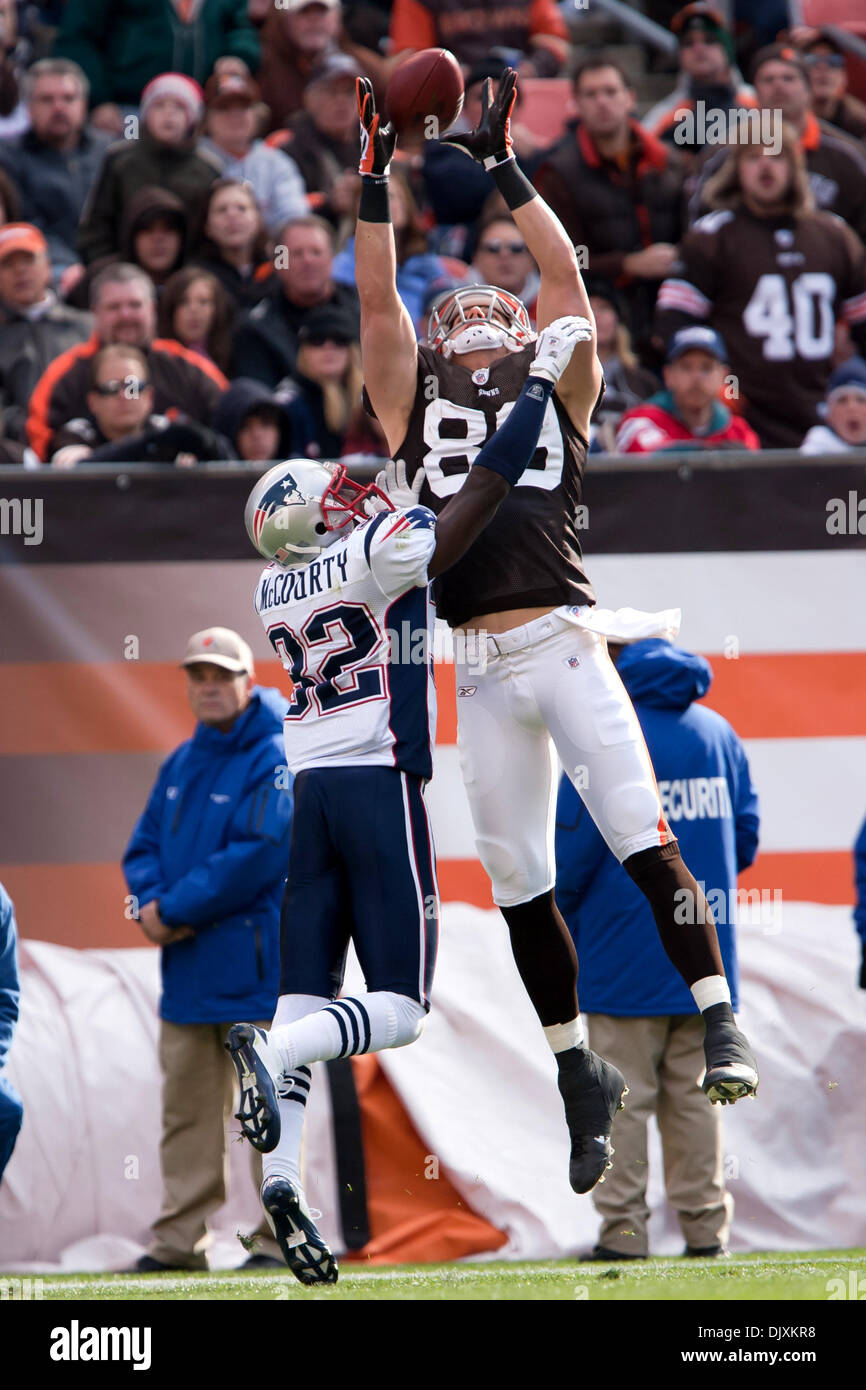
(354, 629)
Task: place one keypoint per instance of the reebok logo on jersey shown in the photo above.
(220, 798)
(572, 662)
(466, 690)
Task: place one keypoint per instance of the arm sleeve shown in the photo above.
(254, 859)
(412, 26)
(398, 546)
(747, 818)
(580, 850)
(9, 988)
(860, 882)
(142, 868)
(639, 434)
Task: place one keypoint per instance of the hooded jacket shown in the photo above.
(656, 426)
(710, 805)
(239, 402)
(212, 847)
(186, 170)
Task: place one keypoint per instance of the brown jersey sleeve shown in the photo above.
(688, 294)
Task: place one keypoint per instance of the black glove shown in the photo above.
(490, 142)
(377, 140)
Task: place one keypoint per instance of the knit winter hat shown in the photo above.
(178, 86)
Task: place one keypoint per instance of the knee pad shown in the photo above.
(632, 809)
(513, 880)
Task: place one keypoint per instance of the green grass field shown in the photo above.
(790, 1277)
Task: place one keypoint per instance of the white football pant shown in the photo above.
(524, 696)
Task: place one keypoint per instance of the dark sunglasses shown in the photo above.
(830, 60)
(497, 247)
(133, 384)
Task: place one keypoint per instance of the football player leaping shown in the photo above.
(359, 736)
(548, 681)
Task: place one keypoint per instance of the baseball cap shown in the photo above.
(335, 65)
(850, 376)
(707, 20)
(329, 321)
(21, 236)
(696, 339)
(219, 646)
(225, 87)
(778, 53)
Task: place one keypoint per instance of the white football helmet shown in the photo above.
(300, 507)
(505, 323)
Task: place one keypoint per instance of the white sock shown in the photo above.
(347, 1027)
(285, 1160)
(562, 1036)
(712, 989)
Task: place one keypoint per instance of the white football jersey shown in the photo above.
(354, 630)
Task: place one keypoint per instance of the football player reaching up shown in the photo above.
(359, 735)
(548, 680)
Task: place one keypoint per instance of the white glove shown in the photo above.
(393, 481)
(555, 344)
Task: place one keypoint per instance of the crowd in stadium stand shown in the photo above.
(179, 186)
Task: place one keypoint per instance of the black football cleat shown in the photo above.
(259, 1112)
(732, 1071)
(592, 1090)
(304, 1251)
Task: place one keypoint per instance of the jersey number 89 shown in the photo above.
(450, 456)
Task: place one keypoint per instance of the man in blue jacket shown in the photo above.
(11, 1110)
(641, 1016)
(206, 866)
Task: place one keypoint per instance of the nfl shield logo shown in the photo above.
(572, 662)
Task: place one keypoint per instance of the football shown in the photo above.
(429, 84)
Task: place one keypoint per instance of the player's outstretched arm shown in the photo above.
(500, 464)
(562, 289)
(388, 343)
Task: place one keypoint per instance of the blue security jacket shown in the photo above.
(623, 968)
(213, 846)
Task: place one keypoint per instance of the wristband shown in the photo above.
(375, 205)
(513, 184)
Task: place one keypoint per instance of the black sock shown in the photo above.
(545, 958)
(682, 913)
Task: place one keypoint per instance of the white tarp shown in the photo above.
(83, 1183)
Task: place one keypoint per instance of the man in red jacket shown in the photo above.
(688, 414)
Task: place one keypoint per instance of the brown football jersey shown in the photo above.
(773, 288)
(529, 555)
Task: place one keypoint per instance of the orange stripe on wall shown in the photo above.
(138, 706)
(83, 904)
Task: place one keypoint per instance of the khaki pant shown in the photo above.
(661, 1060)
(198, 1090)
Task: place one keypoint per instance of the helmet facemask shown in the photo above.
(301, 507)
(505, 322)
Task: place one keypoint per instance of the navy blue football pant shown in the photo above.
(361, 868)
(11, 1114)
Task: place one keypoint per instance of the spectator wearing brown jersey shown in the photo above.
(167, 154)
(534, 28)
(616, 189)
(771, 275)
(835, 164)
(123, 301)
